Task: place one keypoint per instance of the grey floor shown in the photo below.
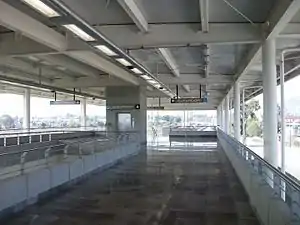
(180, 186)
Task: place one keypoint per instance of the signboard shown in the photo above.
(66, 102)
(188, 100)
(123, 107)
(156, 108)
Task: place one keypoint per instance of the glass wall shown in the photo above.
(159, 123)
(11, 111)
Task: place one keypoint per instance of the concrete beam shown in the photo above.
(29, 27)
(172, 35)
(90, 83)
(94, 60)
(280, 16)
(37, 31)
(133, 11)
(71, 64)
(196, 79)
(166, 55)
(204, 15)
(186, 88)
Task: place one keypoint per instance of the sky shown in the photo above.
(291, 88)
(13, 104)
(40, 107)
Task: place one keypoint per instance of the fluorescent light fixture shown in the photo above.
(106, 50)
(124, 62)
(152, 81)
(79, 32)
(46, 63)
(146, 77)
(136, 70)
(61, 68)
(42, 8)
(35, 59)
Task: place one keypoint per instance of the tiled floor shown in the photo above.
(164, 187)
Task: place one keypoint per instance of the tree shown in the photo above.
(7, 122)
(278, 119)
(254, 127)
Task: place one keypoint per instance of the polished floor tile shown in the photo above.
(162, 187)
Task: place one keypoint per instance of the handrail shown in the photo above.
(31, 150)
(77, 147)
(57, 145)
(271, 167)
(283, 186)
(45, 131)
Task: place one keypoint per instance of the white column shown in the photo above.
(222, 116)
(237, 111)
(83, 113)
(282, 113)
(226, 114)
(244, 117)
(218, 116)
(270, 102)
(26, 119)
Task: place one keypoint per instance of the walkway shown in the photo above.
(196, 186)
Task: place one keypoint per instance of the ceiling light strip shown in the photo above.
(138, 69)
(79, 32)
(42, 8)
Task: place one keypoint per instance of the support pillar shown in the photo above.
(26, 119)
(244, 117)
(219, 116)
(270, 102)
(122, 100)
(226, 115)
(237, 111)
(83, 113)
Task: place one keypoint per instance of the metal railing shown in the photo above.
(283, 186)
(23, 136)
(15, 163)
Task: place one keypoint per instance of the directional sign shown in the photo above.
(156, 107)
(123, 107)
(65, 102)
(188, 100)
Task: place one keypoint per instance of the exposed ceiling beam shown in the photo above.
(196, 79)
(34, 84)
(94, 60)
(169, 35)
(90, 83)
(183, 36)
(204, 15)
(71, 64)
(280, 16)
(31, 28)
(166, 55)
(186, 88)
(133, 11)
(34, 69)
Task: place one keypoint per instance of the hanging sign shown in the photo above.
(188, 100)
(155, 107)
(65, 102)
(123, 107)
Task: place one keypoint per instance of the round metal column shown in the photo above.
(26, 121)
(226, 112)
(270, 102)
(237, 111)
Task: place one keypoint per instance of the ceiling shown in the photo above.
(192, 45)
